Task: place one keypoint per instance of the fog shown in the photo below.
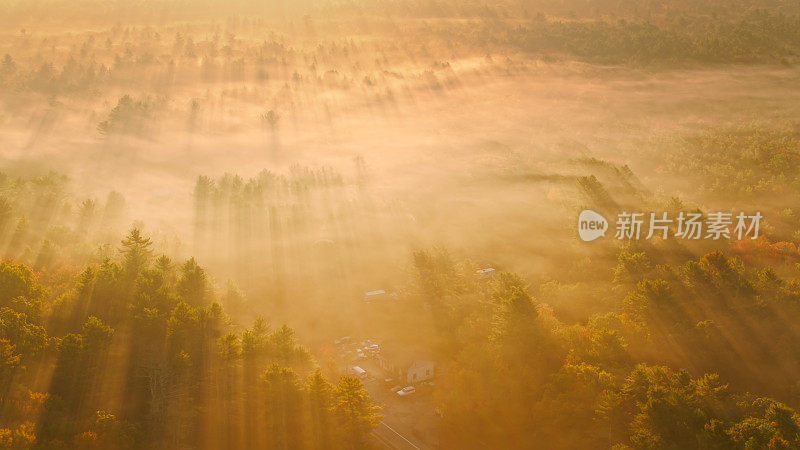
(306, 155)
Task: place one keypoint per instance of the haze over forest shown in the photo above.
(215, 215)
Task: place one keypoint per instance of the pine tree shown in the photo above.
(136, 250)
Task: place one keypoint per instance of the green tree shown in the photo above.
(9, 363)
(192, 285)
(284, 400)
(136, 251)
(320, 398)
(356, 413)
(17, 280)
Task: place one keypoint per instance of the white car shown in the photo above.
(372, 350)
(408, 390)
(359, 372)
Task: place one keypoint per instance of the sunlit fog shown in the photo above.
(411, 224)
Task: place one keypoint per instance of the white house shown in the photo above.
(420, 370)
(408, 366)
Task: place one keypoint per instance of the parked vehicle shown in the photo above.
(406, 391)
(359, 372)
(372, 350)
